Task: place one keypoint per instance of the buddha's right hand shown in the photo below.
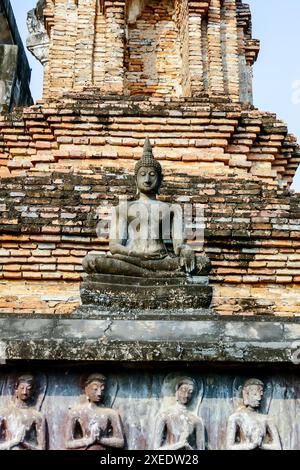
(187, 258)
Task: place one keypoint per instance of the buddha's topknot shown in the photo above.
(147, 160)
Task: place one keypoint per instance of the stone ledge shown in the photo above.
(221, 340)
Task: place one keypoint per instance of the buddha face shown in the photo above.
(95, 391)
(148, 180)
(24, 391)
(184, 393)
(252, 395)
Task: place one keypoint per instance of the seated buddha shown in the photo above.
(139, 248)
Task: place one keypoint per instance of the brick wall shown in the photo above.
(150, 47)
(48, 224)
(152, 59)
(198, 136)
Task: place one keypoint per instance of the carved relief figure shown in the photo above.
(177, 427)
(249, 430)
(139, 248)
(22, 426)
(91, 425)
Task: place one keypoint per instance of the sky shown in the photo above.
(276, 72)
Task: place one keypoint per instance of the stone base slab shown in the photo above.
(142, 293)
(103, 338)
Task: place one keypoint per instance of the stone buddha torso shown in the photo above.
(92, 425)
(145, 237)
(247, 428)
(252, 426)
(178, 428)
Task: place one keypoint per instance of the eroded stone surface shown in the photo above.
(8, 70)
(175, 338)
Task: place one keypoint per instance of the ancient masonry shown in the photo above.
(180, 73)
(109, 85)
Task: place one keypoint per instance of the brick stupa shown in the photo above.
(179, 72)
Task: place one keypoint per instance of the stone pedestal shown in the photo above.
(119, 292)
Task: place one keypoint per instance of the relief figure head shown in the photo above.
(185, 391)
(253, 391)
(24, 387)
(95, 388)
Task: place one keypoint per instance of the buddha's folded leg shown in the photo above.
(165, 264)
(132, 260)
(172, 266)
(168, 267)
(161, 264)
(123, 265)
(108, 265)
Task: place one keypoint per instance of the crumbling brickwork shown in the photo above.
(201, 137)
(152, 60)
(150, 47)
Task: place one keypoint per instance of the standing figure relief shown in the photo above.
(177, 427)
(22, 425)
(92, 425)
(247, 428)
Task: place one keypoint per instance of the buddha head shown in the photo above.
(184, 391)
(148, 172)
(253, 391)
(95, 387)
(24, 388)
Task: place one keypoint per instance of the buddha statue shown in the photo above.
(139, 248)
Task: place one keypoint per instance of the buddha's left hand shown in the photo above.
(187, 258)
